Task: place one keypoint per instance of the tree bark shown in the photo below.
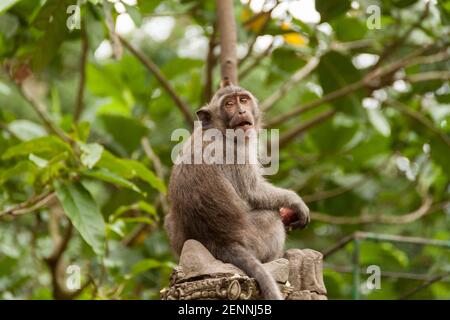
(228, 42)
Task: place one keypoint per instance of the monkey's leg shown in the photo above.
(247, 262)
(268, 235)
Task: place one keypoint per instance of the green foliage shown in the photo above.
(371, 158)
(84, 213)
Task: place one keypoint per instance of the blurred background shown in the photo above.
(91, 91)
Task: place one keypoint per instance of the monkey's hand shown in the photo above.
(296, 216)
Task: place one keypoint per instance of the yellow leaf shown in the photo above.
(246, 14)
(257, 22)
(295, 39)
(285, 26)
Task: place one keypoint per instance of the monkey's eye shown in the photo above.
(243, 100)
(229, 103)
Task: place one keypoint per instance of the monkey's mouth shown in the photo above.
(244, 125)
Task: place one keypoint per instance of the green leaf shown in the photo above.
(90, 154)
(141, 205)
(145, 174)
(50, 145)
(330, 9)
(349, 28)
(146, 6)
(287, 59)
(129, 169)
(40, 162)
(379, 121)
(83, 212)
(148, 264)
(127, 132)
(6, 4)
(19, 168)
(51, 19)
(115, 165)
(336, 71)
(26, 130)
(145, 220)
(107, 176)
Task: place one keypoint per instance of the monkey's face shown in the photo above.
(239, 111)
(233, 108)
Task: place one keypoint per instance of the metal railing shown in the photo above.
(357, 237)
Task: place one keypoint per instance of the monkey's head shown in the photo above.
(231, 107)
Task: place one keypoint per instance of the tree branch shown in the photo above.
(418, 117)
(79, 105)
(158, 166)
(294, 132)
(228, 41)
(424, 285)
(153, 68)
(289, 84)
(326, 194)
(370, 80)
(256, 62)
(267, 15)
(427, 76)
(392, 48)
(32, 204)
(113, 36)
(211, 62)
(426, 208)
(41, 111)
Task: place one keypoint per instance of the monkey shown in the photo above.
(230, 208)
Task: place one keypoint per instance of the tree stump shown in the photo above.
(200, 276)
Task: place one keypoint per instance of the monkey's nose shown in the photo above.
(242, 111)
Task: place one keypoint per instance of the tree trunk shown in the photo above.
(228, 42)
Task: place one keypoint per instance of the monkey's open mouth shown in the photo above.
(244, 125)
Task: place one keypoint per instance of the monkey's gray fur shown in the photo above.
(230, 208)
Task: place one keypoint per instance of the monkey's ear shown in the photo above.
(204, 115)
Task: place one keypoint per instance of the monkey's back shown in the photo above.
(205, 207)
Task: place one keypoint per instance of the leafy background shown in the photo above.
(86, 119)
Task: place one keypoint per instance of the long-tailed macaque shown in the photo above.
(230, 208)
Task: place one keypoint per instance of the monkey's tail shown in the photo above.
(247, 262)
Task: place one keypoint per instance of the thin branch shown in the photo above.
(424, 285)
(267, 15)
(41, 111)
(32, 204)
(153, 68)
(311, 105)
(158, 166)
(289, 84)
(326, 194)
(351, 45)
(372, 79)
(301, 128)
(113, 36)
(387, 274)
(244, 73)
(424, 209)
(228, 41)
(392, 48)
(79, 106)
(428, 76)
(211, 61)
(421, 119)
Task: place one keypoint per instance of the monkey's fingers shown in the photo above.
(299, 224)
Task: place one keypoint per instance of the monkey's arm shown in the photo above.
(264, 195)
